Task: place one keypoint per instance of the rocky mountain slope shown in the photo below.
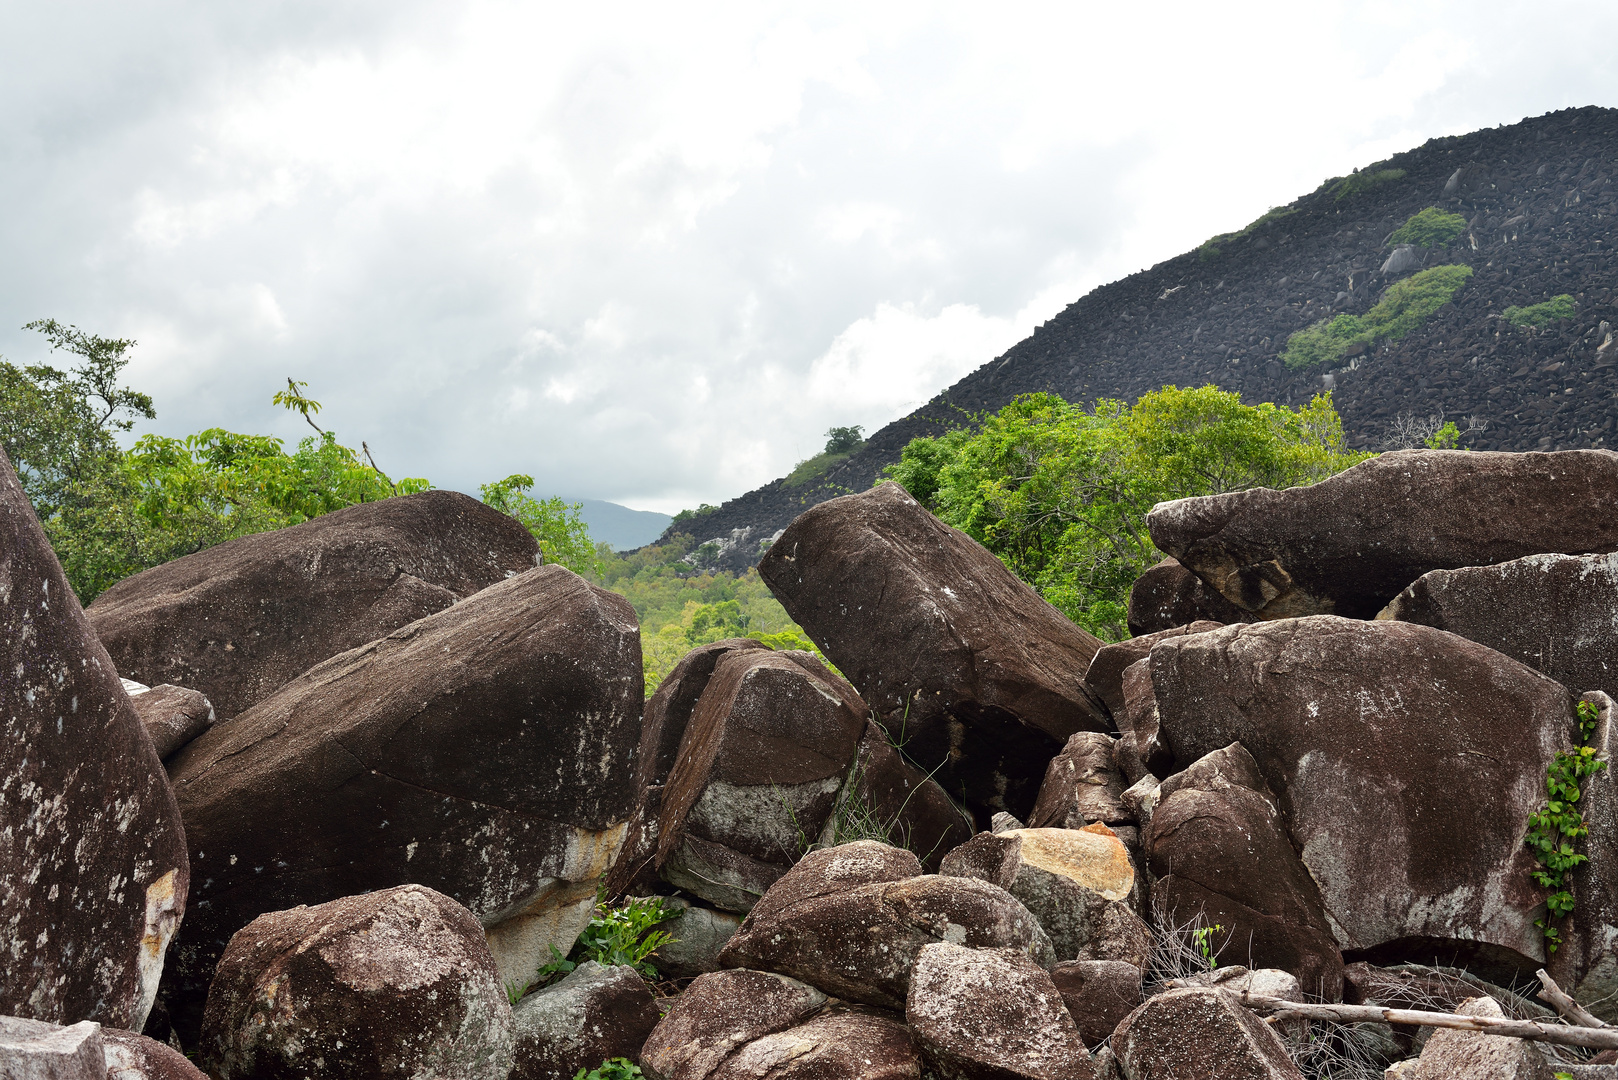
(1538, 199)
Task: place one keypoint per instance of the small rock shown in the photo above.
(135, 1057)
(173, 716)
(717, 1014)
(594, 1014)
(1098, 994)
(1168, 596)
(1404, 259)
(1472, 1055)
(1083, 785)
(699, 936)
(1201, 1033)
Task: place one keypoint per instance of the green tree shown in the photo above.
(844, 440)
(1060, 493)
(562, 535)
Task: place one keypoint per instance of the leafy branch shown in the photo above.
(1555, 831)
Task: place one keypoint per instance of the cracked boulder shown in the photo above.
(991, 1014)
(1220, 856)
(1556, 613)
(1350, 543)
(594, 1014)
(1202, 1033)
(238, 620)
(1077, 882)
(1434, 747)
(853, 922)
(720, 1013)
(969, 670)
(392, 985)
(93, 867)
(484, 751)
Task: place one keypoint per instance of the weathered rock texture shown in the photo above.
(852, 924)
(596, 1013)
(393, 984)
(1168, 596)
(886, 792)
(1199, 1033)
(1472, 1055)
(1098, 994)
(1556, 613)
(484, 751)
(844, 1042)
(1076, 882)
(699, 935)
(37, 1050)
(987, 1014)
(1219, 853)
(1106, 672)
(135, 1057)
(1083, 785)
(983, 678)
(173, 716)
(1433, 747)
(720, 1013)
(93, 868)
(237, 621)
(1349, 544)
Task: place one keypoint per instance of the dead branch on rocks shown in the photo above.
(1604, 1038)
(1564, 1004)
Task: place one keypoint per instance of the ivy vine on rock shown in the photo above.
(1554, 832)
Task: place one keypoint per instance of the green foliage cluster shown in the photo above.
(1404, 307)
(686, 515)
(1359, 183)
(842, 443)
(1541, 315)
(563, 537)
(1555, 831)
(1427, 228)
(1447, 437)
(625, 935)
(1060, 493)
(612, 1069)
(1211, 247)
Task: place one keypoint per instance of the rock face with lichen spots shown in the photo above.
(172, 716)
(982, 676)
(484, 751)
(1405, 761)
(594, 1014)
(239, 620)
(393, 985)
(720, 1013)
(93, 868)
(1168, 596)
(1202, 1033)
(1349, 544)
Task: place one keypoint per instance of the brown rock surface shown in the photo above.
(240, 619)
(1098, 994)
(1219, 852)
(1083, 785)
(1199, 1033)
(484, 752)
(1349, 544)
(989, 1014)
(594, 1014)
(1433, 746)
(1106, 671)
(1168, 596)
(393, 984)
(93, 868)
(885, 789)
(135, 1057)
(720, 1013)
(982, 676)
(173, 716)
(1472, 1055)
(844, 1043)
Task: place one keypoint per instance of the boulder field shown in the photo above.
(963, 840)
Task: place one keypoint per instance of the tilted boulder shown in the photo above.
(1554, 613)
(972, 672)
(394, 984)
(1434, 747)
(1098, 994)
(720, 1013)
(1349, 544)
(989, 1014)
(845, 1042)
(238, 620)
(484, 751)
(1472, 1055)
(1106, 672)
(1168, 596)
(858, 941)
(1203, 1033)
(93, 868)
(594, 1014)
(1220, 856)
(1083, 785)
(1076, 882)
(172, 716)
(757, 774)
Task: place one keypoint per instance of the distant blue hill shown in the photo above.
(620, 526)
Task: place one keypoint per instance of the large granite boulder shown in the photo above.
(484, 751)
(240, 619)
(720, 1013)
(970, 671)
(1219, 853)
(1106, 672)
(841, 1043)
(392, 985)
(1349, 544)
(1077, 882)
(593, 1015)
(1168, 596)
(93, 868)
(1556, 613)
(853, 922)
(989, 1014)
(1433, 747)
(1202, 1033)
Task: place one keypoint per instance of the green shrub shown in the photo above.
(1554, 832)
(614, 1069)
(1404, 307)
(1539, 315)
(1360, 182)
(1429, 228)
(1211, 248)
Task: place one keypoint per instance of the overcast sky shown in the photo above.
(651, 253)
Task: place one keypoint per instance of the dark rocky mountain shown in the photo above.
(1538, 199)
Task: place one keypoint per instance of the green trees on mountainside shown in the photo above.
(1060, 493)
(563, 537)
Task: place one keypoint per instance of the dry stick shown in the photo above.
(1565, 1004)
(1561, 1034)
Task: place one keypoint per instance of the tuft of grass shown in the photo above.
(1210, 249)
(1360, 182)
(1541, 315)
(1427, 228)
(1404, 307)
